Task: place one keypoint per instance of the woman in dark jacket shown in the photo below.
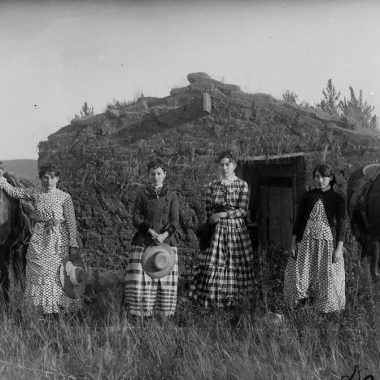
(315, 269)
(156, 216)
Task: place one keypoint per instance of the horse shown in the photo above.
(15, 231)
(363, 205)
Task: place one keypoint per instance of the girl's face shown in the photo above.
(227, 167)
(322, 182)
(157, 176)
(49, 181)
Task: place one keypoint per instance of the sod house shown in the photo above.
(103, 160)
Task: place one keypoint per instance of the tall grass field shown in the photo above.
(248, 342)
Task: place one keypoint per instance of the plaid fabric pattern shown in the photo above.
(146, 296)
(223, 272)
(232, 198)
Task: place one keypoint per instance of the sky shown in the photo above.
(55, 55)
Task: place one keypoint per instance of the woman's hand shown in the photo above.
(338, 253)
(293, 251)
(74, 253)
(214, 218)
(157, 238)
(293, 248)
(160, 238)
(152, 233)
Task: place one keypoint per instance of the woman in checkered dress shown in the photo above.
(315, 270)
(53, 239)
(156, 217)
(223, 272)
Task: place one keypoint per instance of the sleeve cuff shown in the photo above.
(143, 227)
(170, 228)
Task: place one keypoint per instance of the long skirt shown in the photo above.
(223, 273)
(147, 296)
(313, 275)
(43, 287)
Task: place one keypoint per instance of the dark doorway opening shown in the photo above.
(276, 186)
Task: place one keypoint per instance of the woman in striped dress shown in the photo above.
(156, 217)
(53, 239)
(315, 270)
(223, 272)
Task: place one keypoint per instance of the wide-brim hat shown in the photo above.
(73, 276)
(158, 260)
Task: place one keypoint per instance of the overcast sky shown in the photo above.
(57, 54)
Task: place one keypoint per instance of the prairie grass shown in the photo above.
(103, 343)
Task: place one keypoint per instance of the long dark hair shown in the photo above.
(325, 170)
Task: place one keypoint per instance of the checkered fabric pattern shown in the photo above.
(223, 272)
(313, 273)
(146, 296)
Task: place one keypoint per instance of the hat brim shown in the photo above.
(146, 261)
(69, 288)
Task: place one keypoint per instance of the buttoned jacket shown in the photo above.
(158, 211)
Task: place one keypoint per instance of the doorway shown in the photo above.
(276, 185)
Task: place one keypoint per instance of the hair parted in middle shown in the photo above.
(227, 154)
(325, 170)
(49, 169)
(155, 164)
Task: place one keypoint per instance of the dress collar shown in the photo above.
(228, 181)
(45, 191)
(156, 191)
(325, 191)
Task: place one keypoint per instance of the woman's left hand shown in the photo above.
(214, 218)
(337, 254)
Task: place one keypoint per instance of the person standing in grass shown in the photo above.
(54, 237)
(223, 272)
(315, 268)
(156, 218)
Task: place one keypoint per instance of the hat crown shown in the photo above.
(160, 260)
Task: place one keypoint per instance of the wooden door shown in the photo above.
(276, 216)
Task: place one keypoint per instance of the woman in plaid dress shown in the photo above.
(53, 239)
(223, 272)
(156, 217)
